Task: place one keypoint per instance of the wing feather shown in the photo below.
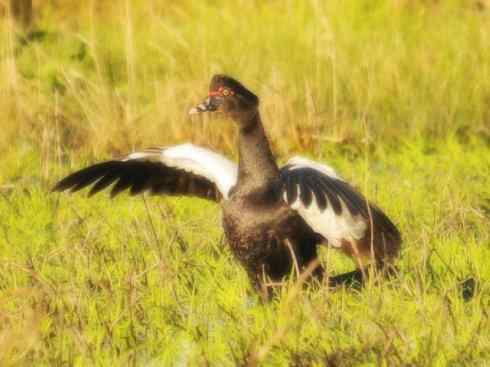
(81, 179)
(305, 193)
(320, 195)
(329, 205)
(104, 182)
(181, 170)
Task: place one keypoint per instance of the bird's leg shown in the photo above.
(260, 283)
(370, 263)
(265, 292)
(317, 272)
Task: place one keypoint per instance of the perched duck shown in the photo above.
(274, 217)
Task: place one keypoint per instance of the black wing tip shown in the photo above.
(56, 188)
(84, 177)
(61, 186)
(384, 224)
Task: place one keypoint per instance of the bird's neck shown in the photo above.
(257, 165)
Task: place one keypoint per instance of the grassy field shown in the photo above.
(394, 94)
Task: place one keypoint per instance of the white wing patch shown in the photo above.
(196, 160)
(332, 226)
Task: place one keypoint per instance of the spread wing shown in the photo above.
(329, 205)
(180, 170)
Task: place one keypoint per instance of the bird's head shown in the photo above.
(228, 96)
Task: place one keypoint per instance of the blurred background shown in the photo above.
(95, 77)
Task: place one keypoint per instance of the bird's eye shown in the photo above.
(226, 92)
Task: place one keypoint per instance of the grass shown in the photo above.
(394, 94)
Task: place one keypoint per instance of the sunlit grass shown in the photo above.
(104, 281)
(394, 94)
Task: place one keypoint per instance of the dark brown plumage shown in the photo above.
(274, 218)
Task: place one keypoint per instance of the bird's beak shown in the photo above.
(210, 104)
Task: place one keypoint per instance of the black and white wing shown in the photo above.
(330, 206)
(180, 170)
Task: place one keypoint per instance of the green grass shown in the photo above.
(394, 94)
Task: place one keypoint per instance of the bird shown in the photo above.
(274, 218)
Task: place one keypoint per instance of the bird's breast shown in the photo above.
(251, 227)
